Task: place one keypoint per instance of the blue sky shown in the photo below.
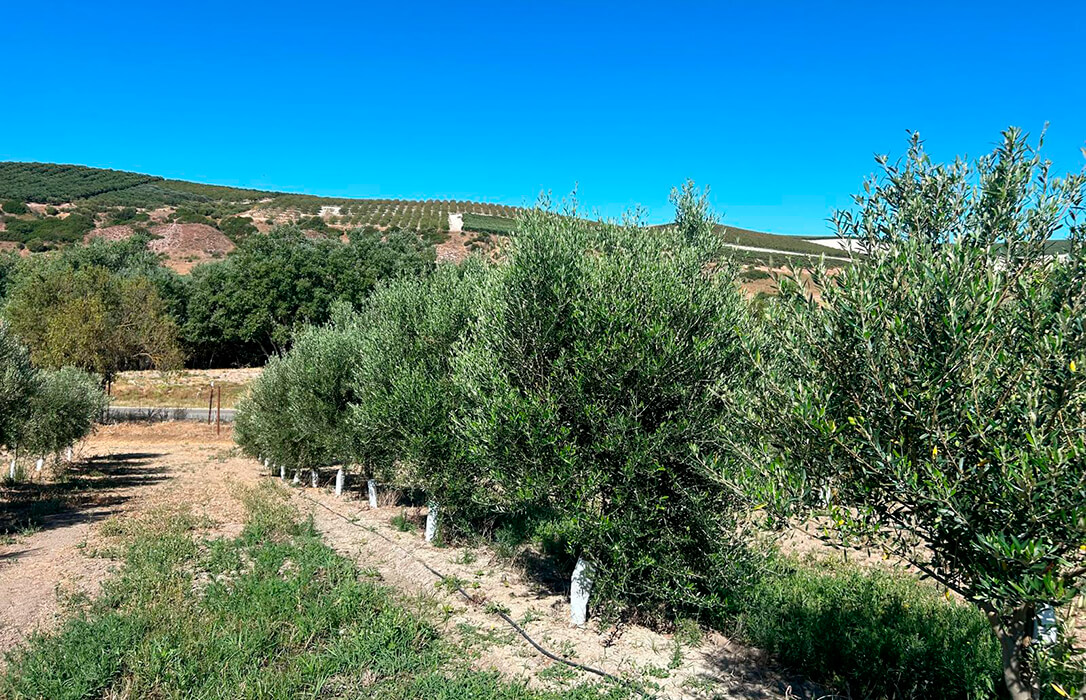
(779, 107)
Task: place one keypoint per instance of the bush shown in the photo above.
(63, 410)
(310, 392)
(599, 390)
(936, 396)
(18, 383)
(13, 206)
(237, 228)
(403, 388)
(67, 230)
(870, 633)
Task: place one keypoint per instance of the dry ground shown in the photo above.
(181, 389)
(132, 469)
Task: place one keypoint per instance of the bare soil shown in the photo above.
(717, 668)
(121, 471)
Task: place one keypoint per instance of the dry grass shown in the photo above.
(182, 389)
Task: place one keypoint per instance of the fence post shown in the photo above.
(210, 401)
(218, 410)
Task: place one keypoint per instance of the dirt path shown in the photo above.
(717, 668)
(122, 470)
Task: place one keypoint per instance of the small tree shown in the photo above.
(935, 397)
(403, 391)
(598, 389)
(93, 319)
(63, 410)
(18, 383)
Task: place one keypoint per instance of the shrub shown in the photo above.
(403, 388)
(310, 389)
(17, 384)
(237, 228)
(13, 206)
(63, 410)
(936, 396)
(598, 393)
(870, 633)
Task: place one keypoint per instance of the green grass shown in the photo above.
(870, 633)
(273, 613)
(481, 223)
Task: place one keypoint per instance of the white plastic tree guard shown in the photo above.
(371, 487)
(339, 481)
(68, 454)
(297, 479)
(282, 472)
(40, 464)
(1048, 628)
(267, 463)
(579, 590)
(431, 522)
(11, 470)
(313, 478)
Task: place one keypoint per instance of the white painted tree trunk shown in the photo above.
(431, 522)
(313, 478)
(297, 479)
(371, 487)
(579, 590)
(282, 472)
(339, 481)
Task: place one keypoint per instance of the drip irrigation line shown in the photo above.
(474, 601)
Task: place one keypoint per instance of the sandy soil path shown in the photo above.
(122, 470)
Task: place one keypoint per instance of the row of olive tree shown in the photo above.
(43, 412)
(608, 387)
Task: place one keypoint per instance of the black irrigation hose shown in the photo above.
(550, 655)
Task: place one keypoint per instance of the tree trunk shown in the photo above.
(1014, 630)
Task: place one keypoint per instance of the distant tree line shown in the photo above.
(112, 306)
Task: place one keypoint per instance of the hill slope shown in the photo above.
(46, 204)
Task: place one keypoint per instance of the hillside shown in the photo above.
(46, 205)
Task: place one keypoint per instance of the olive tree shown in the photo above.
(18, 382)
(404, 398)
(296, 413)
(932, 394)
(63, 410)
(598, 388)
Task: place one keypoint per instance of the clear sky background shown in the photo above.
(779, 107)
